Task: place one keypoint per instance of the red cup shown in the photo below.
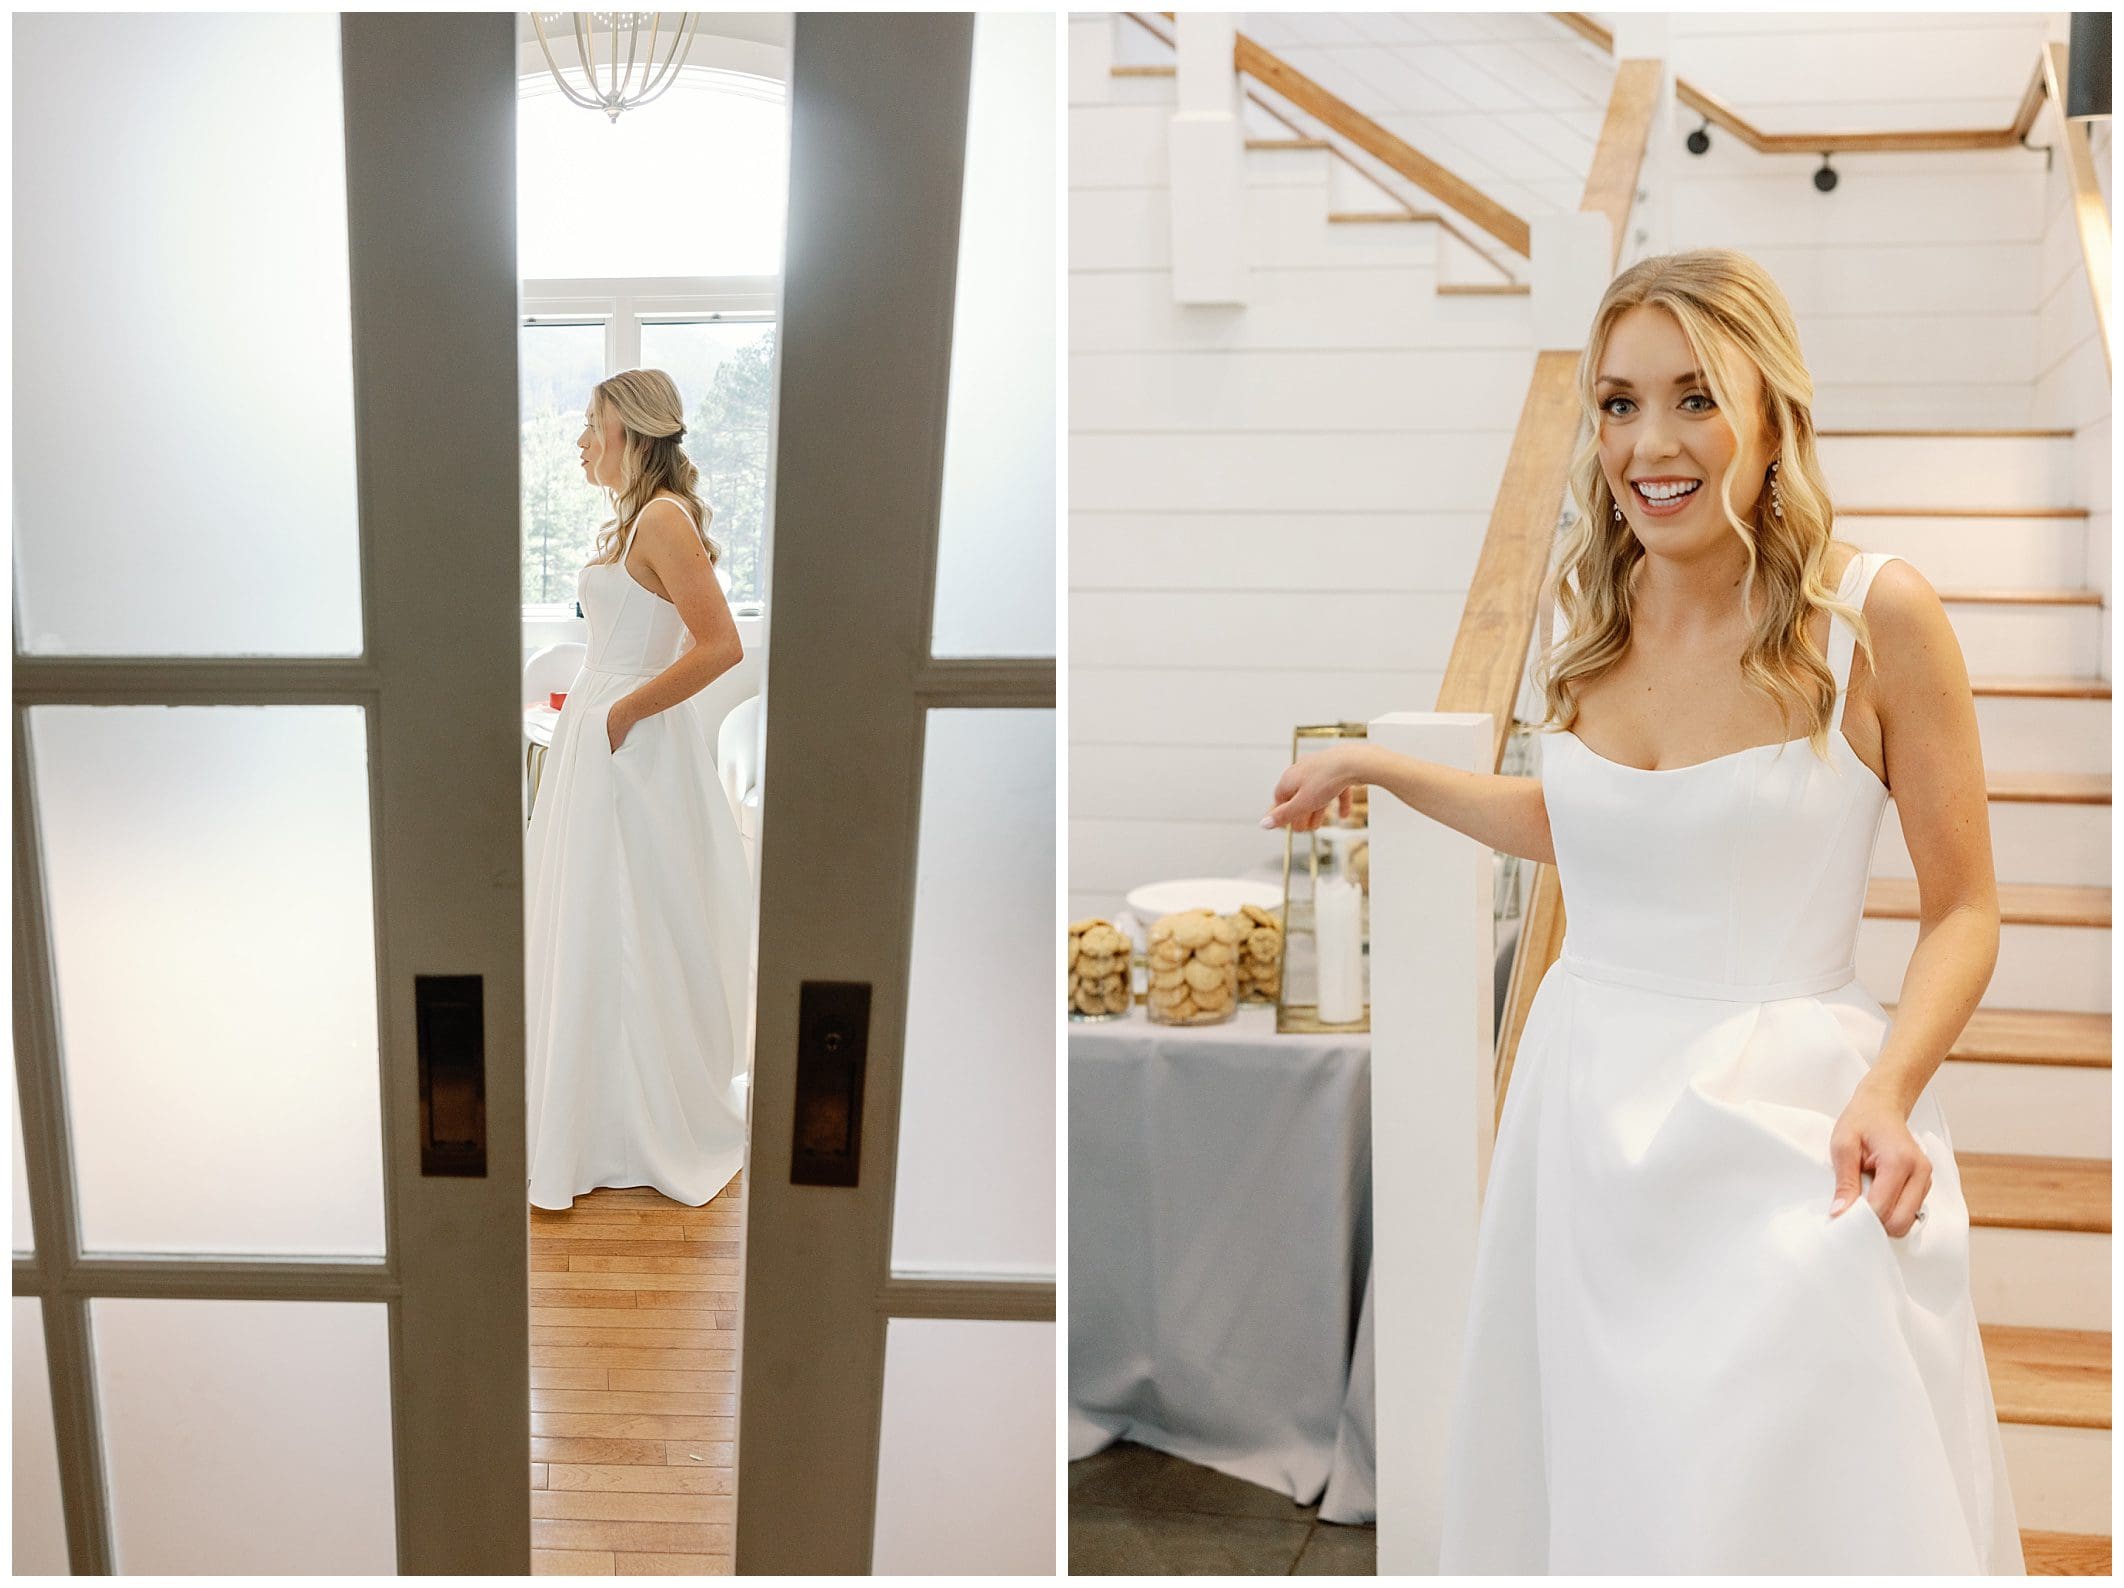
(557, 698)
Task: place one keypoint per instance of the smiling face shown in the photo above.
(602, 446)
(1664, 443)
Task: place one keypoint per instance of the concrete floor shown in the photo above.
(1135, 1510)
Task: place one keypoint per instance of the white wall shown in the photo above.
(1275, 508)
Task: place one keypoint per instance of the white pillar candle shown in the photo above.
(1339, 947)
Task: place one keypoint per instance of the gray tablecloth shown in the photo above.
(1220, 1252)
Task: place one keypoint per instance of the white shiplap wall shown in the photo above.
(1275, 508)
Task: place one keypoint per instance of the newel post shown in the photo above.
(1433, 1062)
(1207, 164)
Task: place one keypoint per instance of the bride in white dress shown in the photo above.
(1721, 1318)
(638, 896)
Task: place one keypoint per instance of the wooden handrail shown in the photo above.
(1274, 72)
(2089, 213)
(1948, 139)
(1496, 630)
(1489, 652)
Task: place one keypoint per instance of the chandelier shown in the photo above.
(623, 28)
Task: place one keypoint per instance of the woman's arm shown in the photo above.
(1920, 693)
(1506, 813)
(674, 553)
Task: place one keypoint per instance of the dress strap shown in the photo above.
(634, 527)
(1843, 639)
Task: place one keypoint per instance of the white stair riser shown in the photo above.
(2040, 1279)
(2053, 1110)
(1144, 91)
(2060, 1477)
(2029, 843)
(1949, 471)
(2040, 967)
(1979, 553)
(2015, 641)
(2043, 734)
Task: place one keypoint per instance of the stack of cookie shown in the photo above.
(1260, 953)
(1194, 968)
(1098, 969)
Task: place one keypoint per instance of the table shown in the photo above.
(1220, 1251)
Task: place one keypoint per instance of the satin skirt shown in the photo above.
(1675, 1360)
(637, 933)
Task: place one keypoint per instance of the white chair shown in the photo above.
(737, 760)
(550, 668)
(553, 667)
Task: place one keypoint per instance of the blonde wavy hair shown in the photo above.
(652, 424)
(1727, 307)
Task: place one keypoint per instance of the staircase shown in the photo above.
(1995, 521)
(1989, 517)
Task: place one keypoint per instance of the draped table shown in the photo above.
(1220, 1251)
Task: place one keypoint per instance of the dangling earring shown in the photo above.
(1777, 500)
(1618, 512)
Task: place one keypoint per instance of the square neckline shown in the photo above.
(1836, 731)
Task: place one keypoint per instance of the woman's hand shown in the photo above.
(1872, 1136)
(1309, 786)
(617, 724)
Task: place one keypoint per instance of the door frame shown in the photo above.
(877, 145)
(432, 274)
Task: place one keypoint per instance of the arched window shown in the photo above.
(651, 241)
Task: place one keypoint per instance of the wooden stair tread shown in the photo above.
(1145, 71)
(1962, 512)
(2048, 788)
(2020, 903)
(2033, 1036)
(2061, 688)
(2065, 1554)
(1483, 289)
(2029, 598)
(1288, 143)
(1378, 217)
(2017, 1191)
(2056, 1377)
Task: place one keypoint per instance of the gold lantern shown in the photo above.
(1331, 864)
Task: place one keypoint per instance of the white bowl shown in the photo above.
(1222, 894)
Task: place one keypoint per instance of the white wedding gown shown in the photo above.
(637, 930)
(1675, 1360)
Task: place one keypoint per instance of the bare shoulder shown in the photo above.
(1913, 641)
(666, 522)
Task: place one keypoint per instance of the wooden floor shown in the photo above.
(634, 1315)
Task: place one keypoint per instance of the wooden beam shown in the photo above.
(1611, 181)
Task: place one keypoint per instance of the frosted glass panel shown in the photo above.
(208, 873)
(247, 1436)
(996, 537)
(966, 1449)
(25, 1239)
(40, 1526)
(977, 1107)
(184, 401)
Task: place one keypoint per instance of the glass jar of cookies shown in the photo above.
(1194, 968)
(1260, 954)
(1099, 954)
